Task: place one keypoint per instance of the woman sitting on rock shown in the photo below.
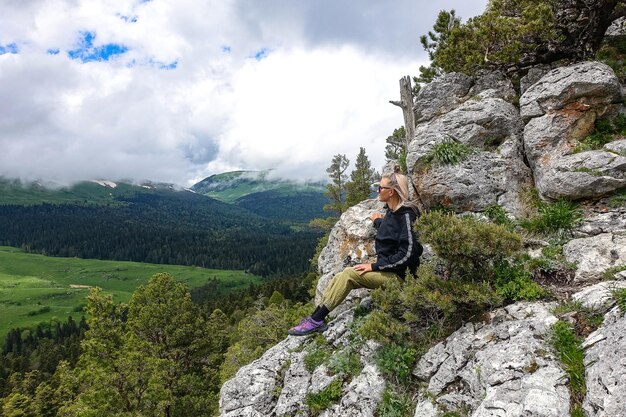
(396, 250)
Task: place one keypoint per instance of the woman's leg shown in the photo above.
(348, 280)
(336, 291)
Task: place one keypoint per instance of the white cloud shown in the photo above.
(322, 89)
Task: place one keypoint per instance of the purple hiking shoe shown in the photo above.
(308, 326)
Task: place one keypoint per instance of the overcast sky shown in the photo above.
(177, 90)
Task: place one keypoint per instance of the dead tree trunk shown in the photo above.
(406, 104)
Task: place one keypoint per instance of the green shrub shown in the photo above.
(497, 214)
(470, 247)
(618, 200)
(571, 355)
(558, 217)
(382, 327)
(320, 401)
(513, 282)
(315, 357)
(613, 53)
(449, 152)
(396, 403)
(345, 362)
(602, 135)
(620, 299)
(396, 361)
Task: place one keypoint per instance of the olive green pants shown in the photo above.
(348, 280)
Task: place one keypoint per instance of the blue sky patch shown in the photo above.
(226, 49)
(53, 51)
(128, 19)
(263, 53)
(9, 49)
(169, 66)
(86, 52)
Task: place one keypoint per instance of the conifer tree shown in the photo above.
(336, 190)
(361, 179)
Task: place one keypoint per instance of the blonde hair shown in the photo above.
(403, 185)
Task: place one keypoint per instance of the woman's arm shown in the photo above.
(406, 246)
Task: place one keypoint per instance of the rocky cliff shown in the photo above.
(502, 364)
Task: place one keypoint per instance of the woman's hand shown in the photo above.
(363, 268)
(376, 215)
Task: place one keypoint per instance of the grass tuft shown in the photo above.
(570, 353)
(323, 399)
(449, 152)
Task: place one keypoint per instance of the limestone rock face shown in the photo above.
(609, 221)
(441, 96)
(617, 28)
(605, 368)
(582, 86)
(599, 297)
(594, 255)
(500, 368)
(560, 109)
(251, 392)
(490, 125)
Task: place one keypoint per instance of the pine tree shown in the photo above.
(361, 179)
(337, 189)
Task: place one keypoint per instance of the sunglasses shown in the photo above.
(380, 188)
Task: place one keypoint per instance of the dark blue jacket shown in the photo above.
(396, 246)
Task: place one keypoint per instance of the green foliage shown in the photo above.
(335, 191)
(361, 178)
(578, 411)
(605, 131)
(618, 200)
(620, 299)
(396, 403)
(470, 247)
(345, 362)
(497, 214)
(558, 218)
(610, 272)
(513, 282)
(613, 53)
(323, 399)
(502, 35)
(317, 354)
(396, 361)
(381, 326)
(149, 357)
(321, 244)
(449, 152)
(571, 354)
(395, 150)
(257, 332)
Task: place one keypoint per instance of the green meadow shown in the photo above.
(36, 288)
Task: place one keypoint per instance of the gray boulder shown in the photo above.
(583, 86)
(497, 368)
(594, 255)
(561, 109)
(617, 28)
(442, 95)
(599, 297)
(495, 172)
(608, 221)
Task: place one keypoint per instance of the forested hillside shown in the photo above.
(161, 226)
